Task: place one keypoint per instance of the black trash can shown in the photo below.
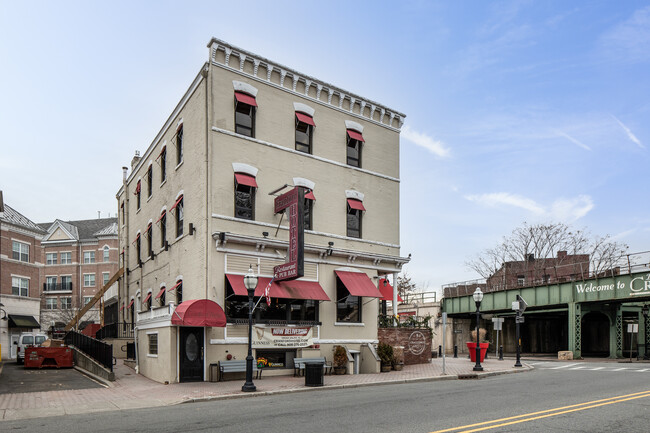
(314, 373)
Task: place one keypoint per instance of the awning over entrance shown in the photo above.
(199, 312)
(19, 321)
(358, 284)
(387, 291)
(294, 289)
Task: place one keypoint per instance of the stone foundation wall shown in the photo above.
(416, 343)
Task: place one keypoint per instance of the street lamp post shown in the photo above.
(644, 311)
(478, 297)
(250, 281)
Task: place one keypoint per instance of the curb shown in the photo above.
(350, 385)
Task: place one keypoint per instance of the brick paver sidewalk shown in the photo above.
(131, 390)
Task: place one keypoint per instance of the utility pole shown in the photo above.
(519, 306)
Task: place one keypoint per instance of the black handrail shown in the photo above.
(115, 330)
(97, 350)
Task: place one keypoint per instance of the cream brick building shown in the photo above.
(197, 209)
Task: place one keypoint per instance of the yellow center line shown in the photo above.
(563, 410)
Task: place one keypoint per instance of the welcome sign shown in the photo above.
(624, 286)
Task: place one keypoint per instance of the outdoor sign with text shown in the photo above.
(293, 202)
(264, 337)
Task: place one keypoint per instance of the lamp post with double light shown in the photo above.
(478, 297)
(250, 281)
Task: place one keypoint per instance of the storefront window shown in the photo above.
(268, 358)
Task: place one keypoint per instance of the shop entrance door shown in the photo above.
(191, 354)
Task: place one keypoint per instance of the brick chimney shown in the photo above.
(561, 255)
(135, 160)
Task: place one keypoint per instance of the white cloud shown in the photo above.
(629, 41)
(504, 198)
(629, 133)
(573, 140)
(568, 210)
(434, 146)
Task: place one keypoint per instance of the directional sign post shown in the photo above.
(519, 306)
(498, 324)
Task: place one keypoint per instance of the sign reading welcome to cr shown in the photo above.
(623, 286)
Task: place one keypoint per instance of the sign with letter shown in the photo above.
(294, 203)
(282, 337)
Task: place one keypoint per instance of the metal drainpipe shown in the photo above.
(395, 298)
(206, 76)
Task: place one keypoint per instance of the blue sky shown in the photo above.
(516, 110)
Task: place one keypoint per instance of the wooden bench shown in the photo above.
(236, 366)
(299, 365)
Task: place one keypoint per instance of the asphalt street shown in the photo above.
(555, 397)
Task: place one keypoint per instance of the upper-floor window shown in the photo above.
(146, 304)
(177, 210)
(89, 280)
(89, 257)
(50, 258)
(179, 145)
(66, 258)
(245, 107)
(105, 278)
(149, 235)
(87, 300)
(245, 187)
(19, 286)
(106, 252)
(138, 189)
(304, 132)
(150, 181)
(66, 282)
(179, 291)
(20, 251)
(308, 209)
(122, 212)
(163, 228)
(51, 304)
(521, 280)
(161, 296)
(163, 164)
(354, 215)
(66, 303)
(50, 284)
(348, 307)
(355, 139)
(138, 247)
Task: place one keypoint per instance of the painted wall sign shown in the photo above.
(417, 343)
(294, 204)
(610, 288)
(282, 337)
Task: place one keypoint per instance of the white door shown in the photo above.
(14, 339)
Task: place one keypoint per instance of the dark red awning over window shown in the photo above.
(122, 307)
(356, 204)
(199, 312)
(387, 291)
(295, 289)
(147, 298)
(305, 118)
(161, 216)
(358, 284)
(310, 195)
(245, 179)
(130, 304)
(245, 99)
(176, 285)
(356, 135)
(176, 204)
(160, 293)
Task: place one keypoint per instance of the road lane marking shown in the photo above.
(578, 368)
(563, 366)
(643, 369)
(547, 413)
(620, 369)
(597, 368)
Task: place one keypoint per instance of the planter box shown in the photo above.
(483, 347)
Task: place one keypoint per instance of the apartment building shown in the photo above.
(196, 212)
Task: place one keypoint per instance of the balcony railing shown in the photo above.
(57, 287)
(115, 330)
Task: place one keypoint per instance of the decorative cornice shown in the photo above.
(229, 50)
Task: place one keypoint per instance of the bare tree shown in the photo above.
(405, 285)
(527, 244)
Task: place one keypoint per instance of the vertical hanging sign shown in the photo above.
(294, 204)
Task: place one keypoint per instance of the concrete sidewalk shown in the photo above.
(133, 391)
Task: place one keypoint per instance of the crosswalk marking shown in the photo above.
(562, 366)
(597, 368)
(619, 369)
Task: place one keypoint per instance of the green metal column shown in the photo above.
(618, 331)
(575, 329)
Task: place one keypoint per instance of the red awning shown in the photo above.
(161, 152)
(147, 298)
(387, 291)
(295, 289)
(160, 293)
(356, 135)
(245, 99)
(136, 238)
(122, 307)
(356, 204)
(161, 216)
(199, 312)
(130, 304)
(178, 283)
(148, 227)
(176, 204)
(245, 179)
(310, 195)
(358, 284)
(138, 188)
(305, 118)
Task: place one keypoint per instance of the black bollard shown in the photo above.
(439, 351)
(500, 353)
(455, 351)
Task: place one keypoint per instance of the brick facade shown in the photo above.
(416, 343)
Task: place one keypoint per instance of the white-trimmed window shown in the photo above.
(20, 251)
(66, 282)
(89, 280)
(50, 258)
(138, 195)
(87, 300)
(50, 283)
(66, 303)
(19, 286)
(107, 254)
(150, 181)
(354, 217)
(179, 145)
(153, 343)
(89, 257)
(163, 164)
(66, 258)
(245, 107)
(304, 132)
(106, 276)
(51, 304)
(177, 210)
(354, 144)
(245, 187)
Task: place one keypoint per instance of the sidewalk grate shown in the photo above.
(468, 376)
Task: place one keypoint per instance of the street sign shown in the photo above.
(498, 323)
(458, 331)
(632, 328)
(522, 303)
(515, 305)
(519, 319)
